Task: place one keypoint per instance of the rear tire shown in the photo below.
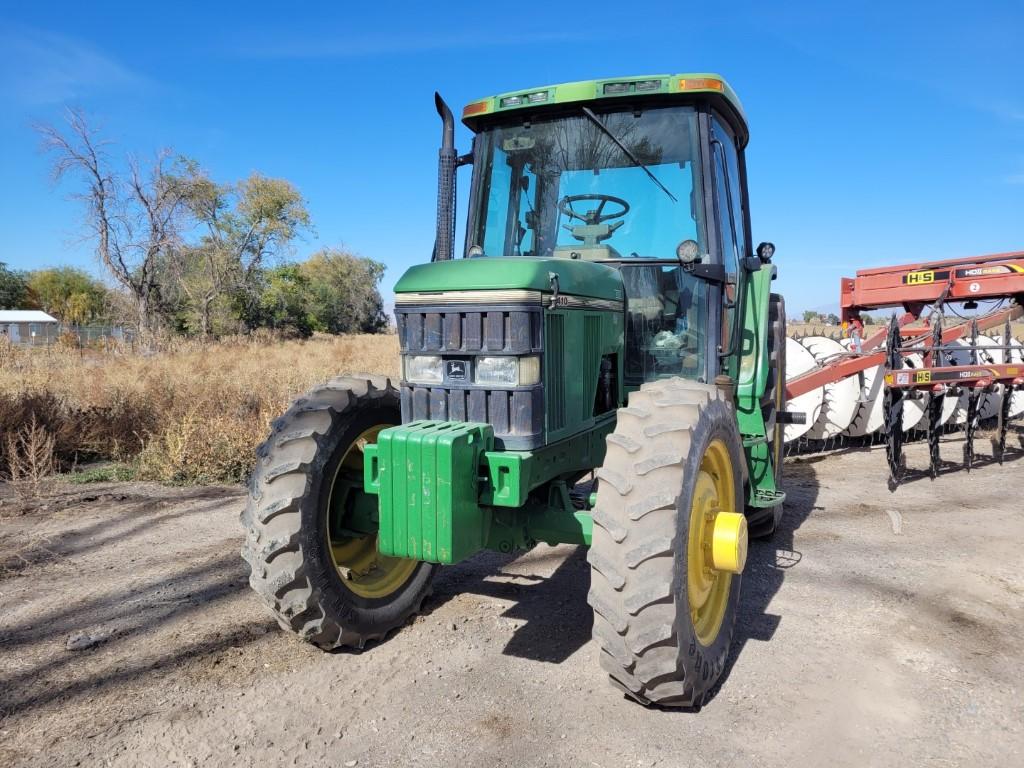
(763, 522)
(314, 451)
(663, 632)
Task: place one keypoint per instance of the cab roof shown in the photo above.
(653, 87)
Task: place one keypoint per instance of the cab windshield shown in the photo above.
(595, 186)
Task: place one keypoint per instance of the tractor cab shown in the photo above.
(644, 175)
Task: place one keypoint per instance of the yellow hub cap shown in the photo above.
(716, 545)
(362, 568)
(729, 542)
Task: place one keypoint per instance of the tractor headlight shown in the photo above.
(423, 369)
(497, 371)
(529, 371)
(507, 371)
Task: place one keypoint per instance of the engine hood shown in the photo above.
(574, 278)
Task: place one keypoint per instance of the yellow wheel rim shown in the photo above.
(363, 570)
(715, 529)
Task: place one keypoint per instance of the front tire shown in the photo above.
(663, 608)
(320, 579)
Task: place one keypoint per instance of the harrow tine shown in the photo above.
(893, 407)
(1004, 410)
(934, 432)
(937, 399)
(1004, 422)
(972, 402)
(936, 355)
(971, 426)
(894, 433)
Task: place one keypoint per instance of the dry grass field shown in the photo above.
(191, 414)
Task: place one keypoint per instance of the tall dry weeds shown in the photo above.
(193, 413)
(30, 457)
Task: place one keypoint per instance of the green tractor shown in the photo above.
(603, 367)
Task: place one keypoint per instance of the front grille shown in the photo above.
(556, 372)
(514, 332)
(516, 414)
(591, 362)
(570, 403)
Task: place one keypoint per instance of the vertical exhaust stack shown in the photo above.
(447, 157)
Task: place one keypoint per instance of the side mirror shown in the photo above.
(765, 251)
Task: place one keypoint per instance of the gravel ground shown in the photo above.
(877, 628)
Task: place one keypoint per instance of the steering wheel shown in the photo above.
(597, 215)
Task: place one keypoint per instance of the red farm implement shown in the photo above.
(950, 371)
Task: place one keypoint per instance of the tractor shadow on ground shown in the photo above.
(557, 619)
(768, 561)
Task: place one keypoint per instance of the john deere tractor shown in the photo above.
(602, 367)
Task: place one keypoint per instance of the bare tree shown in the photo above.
(134, 220)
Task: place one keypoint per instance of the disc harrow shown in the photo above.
(935, 368)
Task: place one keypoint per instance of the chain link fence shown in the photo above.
(74, 336)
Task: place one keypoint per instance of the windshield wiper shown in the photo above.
(626, 150)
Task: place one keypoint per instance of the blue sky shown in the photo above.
(881, 132)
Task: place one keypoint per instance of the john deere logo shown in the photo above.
(456, 369)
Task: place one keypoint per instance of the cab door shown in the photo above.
(731, 231)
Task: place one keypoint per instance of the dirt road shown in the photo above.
(876, 629)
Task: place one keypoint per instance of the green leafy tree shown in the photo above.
(810, 316)
(283, 302)
(344, 292)
(71, 295)
(13, 289)
(246, 226)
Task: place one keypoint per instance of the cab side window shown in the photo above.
(666, 319)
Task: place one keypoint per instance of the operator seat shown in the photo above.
(644, 296)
